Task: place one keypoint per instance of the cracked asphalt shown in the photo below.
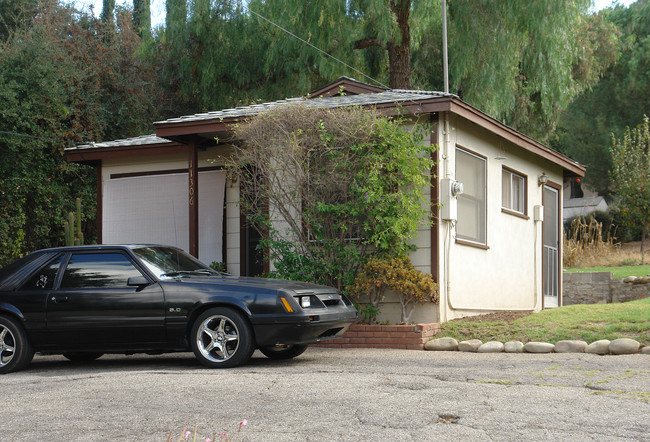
(332, 394)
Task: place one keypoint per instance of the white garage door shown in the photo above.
(154, 210)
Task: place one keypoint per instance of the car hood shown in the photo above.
(271, 284)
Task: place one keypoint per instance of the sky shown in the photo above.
(158, 7)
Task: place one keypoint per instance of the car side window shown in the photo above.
(98, 270)
(44, 278)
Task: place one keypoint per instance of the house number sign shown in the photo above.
(191, 174)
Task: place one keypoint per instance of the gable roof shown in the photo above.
(346, 86)
(203, 128)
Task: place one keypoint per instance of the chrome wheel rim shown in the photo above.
(7, 346)
(217, 338)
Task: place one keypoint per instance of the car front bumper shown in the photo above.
(308, 327)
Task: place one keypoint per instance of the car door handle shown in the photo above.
(59, 299)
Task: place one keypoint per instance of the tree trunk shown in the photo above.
(399, 55)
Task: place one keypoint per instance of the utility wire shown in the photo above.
(315, 47)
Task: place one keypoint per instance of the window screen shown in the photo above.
(470, 170)
(513, 191)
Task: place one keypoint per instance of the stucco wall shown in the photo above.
(506, 274)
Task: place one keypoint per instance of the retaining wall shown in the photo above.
(599, 288)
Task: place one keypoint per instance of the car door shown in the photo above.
(94, 308)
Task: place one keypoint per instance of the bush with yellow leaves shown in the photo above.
(399, 275)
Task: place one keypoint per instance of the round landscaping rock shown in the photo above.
(539, 347)
(471, 346)
(624, 346)
(442, 344)
(599, 347)
(514, 347)
(645, 351)
(491, 347)
(570, 346)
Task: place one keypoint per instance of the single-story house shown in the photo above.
(496, 244)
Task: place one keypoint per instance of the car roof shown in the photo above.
(102, 247)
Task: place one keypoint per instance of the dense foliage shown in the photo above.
(65, 78)
(394, 273)
(631, 175)
(620, 99)
(343, 184)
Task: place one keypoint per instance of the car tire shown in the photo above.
(15, 349)
(221, 338)
(82, 356)
(283, 352)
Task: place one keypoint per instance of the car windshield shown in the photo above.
(165, 262)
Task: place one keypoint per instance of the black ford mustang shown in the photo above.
(89, 300)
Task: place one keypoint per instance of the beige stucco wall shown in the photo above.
(508, 274)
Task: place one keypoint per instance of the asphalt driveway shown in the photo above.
(329, 394)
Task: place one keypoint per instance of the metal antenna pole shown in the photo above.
(444, 46)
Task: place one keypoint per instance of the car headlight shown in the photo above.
(305, 301)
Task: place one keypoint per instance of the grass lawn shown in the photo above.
(618, 272)
(586, 322)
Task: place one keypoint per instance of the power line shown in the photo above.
(315, 47)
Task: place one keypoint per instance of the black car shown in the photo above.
(85, 301)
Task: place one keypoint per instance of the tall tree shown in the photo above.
(631, 174)
(66, 78)
(619, 100)
(518, 61)
(108, 11)
(142, 17)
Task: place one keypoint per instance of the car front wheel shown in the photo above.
(222, 337)
(15, 350)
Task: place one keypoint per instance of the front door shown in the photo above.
(551, 254)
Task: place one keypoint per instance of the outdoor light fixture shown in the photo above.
(543, 179)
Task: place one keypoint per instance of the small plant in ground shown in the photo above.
(397, 274)
(222, 436)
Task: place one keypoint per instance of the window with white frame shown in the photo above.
(513, 191)
(471, 171)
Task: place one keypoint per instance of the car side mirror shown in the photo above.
(137, 281)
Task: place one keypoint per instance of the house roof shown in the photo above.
(203, 128)
(346, 86)
(384, 97)
(136, 146)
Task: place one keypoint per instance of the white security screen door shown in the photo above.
(551, 264)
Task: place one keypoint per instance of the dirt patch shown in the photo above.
(507, 316)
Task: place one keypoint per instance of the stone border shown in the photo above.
(622, 346)
(405, 337)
